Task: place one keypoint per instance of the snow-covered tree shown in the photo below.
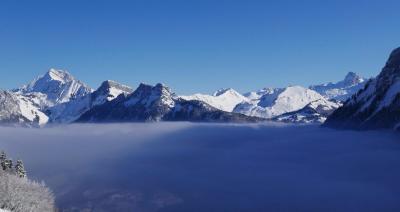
(20, 194)
(19, 169)
(9, 164)
(3, 158)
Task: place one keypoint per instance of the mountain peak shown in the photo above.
(148, 90)
(164, 89)
(106, 85)
(353, 78)
(224, 91)
(343, 89)
(58, 75)
(151, 96)
(58, 86)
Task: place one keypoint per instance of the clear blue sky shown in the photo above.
(197, 45)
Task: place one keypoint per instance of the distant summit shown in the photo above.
(223, 99)
(109, 90)
(341, 90)
(278, 101)
(352, 79)
(224, 91)
(58, 86)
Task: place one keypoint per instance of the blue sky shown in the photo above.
(196, 45)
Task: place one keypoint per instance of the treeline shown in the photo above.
(7, 166)
(20, 194)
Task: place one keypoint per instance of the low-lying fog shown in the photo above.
(209, 167)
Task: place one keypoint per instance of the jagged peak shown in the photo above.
(148, 89)
(353, 78)
(351, 75)
(113, 84)
(147, 94)
(59, 75)
(145, 85)
(162, 86)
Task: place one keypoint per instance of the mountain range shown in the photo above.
(57, 97)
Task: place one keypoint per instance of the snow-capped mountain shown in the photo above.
(256, 95)
(224, 99)
(58, 97)
(19, 110)
(56, 86)
(70, 111)
(377, 105)
(314, 112)
(108, 91)
(341, 90)
(278, 101)
(157, 103)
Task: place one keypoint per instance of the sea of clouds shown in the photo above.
(211, 167)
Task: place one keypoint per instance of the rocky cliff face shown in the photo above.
(377, 105)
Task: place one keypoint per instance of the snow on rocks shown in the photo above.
(58, 86)
(224, 99)
(342, 90)
(280, 101)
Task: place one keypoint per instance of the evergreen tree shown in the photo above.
(18, 193)
(8, 165)
(3, 158)
(19, 169)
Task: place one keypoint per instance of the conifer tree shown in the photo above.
(8, 165)
(3, 158)
(19, 169)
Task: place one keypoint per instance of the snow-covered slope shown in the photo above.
(72, 110)
(56, 86)
(19, 110)
(158, 103)
(108, 91)
(377, 105)
(256, 95)
(278, 101)
(225, 99)
(341, 90)
(314, 112)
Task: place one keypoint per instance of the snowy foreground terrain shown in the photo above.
(211, 167)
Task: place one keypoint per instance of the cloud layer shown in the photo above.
(211, 167)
